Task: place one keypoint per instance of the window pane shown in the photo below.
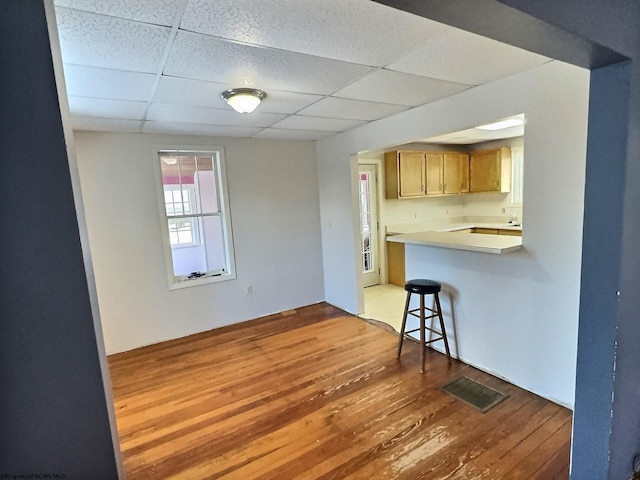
(179, 201)
(206, 185)
(197, 244)
(183, 231)
(170, 170)
(189, 258)
(213, 241)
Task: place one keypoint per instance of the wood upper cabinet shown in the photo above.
(411, 173)
(442, 173)
(414, 174)
(490, 170)
(434, 173)
(451, 162)
(464, 173)
(404, 174)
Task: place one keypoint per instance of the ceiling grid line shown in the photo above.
(174, 30)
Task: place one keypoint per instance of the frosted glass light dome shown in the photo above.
(243, 100)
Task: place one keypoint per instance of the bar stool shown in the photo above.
(424, 287)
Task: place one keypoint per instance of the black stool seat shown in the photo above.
(422, 286)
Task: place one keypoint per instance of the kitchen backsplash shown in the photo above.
(473, 206)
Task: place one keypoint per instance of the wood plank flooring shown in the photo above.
(319, 394)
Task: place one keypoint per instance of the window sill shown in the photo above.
(175, 284)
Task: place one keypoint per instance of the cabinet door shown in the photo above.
(395, 264)
(513, 233)
(490, 171)
(464, 173)
(451, 173)
(434, 171)
(486, 231)
(411, 166)
(484, 172)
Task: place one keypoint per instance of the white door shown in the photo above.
(369, 224)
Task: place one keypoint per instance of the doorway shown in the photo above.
(368, 201)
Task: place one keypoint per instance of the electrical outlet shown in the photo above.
(504, 210)
(250, 290)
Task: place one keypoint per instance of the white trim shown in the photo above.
(517, 169)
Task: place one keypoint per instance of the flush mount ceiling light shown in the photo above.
(243, 100)
(509, 122)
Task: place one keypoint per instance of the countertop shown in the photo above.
(448, 236)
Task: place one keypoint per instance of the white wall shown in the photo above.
(516, 314)
(273, 190)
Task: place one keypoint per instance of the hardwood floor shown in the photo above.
(319, 394)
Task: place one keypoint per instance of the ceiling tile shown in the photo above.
(278, 101)
(464, 57)
(98, 107)
(299, 122)
(351, 109)
(206, 58)
(399, 88)
(101, 41)
(159, 12)
(348, 30)
(198, 129)
(210, 116)
(105, 124)
(290, 134)
(183, 91)
(103, 83)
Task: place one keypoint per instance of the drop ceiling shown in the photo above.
(159, 66)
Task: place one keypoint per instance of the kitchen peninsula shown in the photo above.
(496, 238)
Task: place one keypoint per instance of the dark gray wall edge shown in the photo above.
(494, 19)
(53, 410)
(600, 276)
(56, 54)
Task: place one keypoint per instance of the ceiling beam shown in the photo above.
(493, 19)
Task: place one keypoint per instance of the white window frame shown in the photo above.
(217, 153)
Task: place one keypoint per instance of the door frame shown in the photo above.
(370, 279)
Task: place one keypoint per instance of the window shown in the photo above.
(196, 222)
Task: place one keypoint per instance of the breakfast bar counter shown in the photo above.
(484, 237)
(476, 242)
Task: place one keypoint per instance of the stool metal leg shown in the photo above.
(442, 329)
(404, 324)
(423, 347)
